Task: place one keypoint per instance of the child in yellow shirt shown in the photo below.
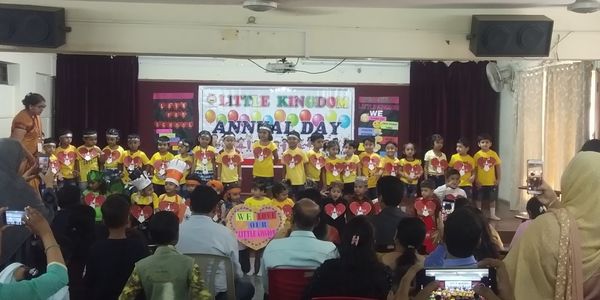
(352, 167)
(333, 166)
(50, 173)
(369, 161)
(258, 200)
(204, 157)
(87, 157)
(435, 161)
(171, 200)
(159, 162)
(410, 170)
(281, 199)
(316, 161)
(229, 162)
(265, 157)
(134, 158)
(66, 154)
(295, 160)
(390, 164)
(112, 156)
(144, 201)
(487, 174)
(186, 156)
(465, 165)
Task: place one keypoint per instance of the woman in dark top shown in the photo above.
(357, 273)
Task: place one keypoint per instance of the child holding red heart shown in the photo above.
(429, 210)
(352, 167)
(159, 162)
(229, 161)
(464, 164)
(112, 157)
(435, 161)
(87, 157)
(66, 155)
(144, 201)
(314, 169)
(410, 170)
(265, 157)
(204, 155)
(333, 165)
(389, 164)
(487, 174)
(95, 193)
(295, 161)
(369, 162)
(134, 158)
(335, 207)
(171, 200)
(359, 204)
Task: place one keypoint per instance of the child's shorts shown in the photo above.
(487, 193)
(205, 176)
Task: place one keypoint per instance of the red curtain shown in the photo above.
(455, 101)
(97, 92)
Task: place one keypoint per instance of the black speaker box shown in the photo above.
(510, 35)
(32, 26)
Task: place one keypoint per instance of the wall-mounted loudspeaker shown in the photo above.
(510, 35)
(32, 26)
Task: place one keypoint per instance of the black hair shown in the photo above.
(115, 211)
(204, 132)
(351, 143)
(535, 208)
(368, 139)
(203, 199)
(49, 140)
(264, 124)
(410, 234)
(278, 188)
(133, 136)
(461, 202)
(486, 247)
(186, 143)
(164, 228)
(68, 196)
(451, 172)
(331, 144)
(404, 149)
(193, 176)
(260, 186)
(113, 131)
(390, 143)
(357, 247)
(436, 138)
(591, 145)
(464, 141)
(484, 136)
(315, 136)
(294, 133)
(462, 232)
(163, 139)
(80, 231)
(89, 132)
(428, 183)
(336, 184)
(390, 190)
(64, 132)
(32, 99)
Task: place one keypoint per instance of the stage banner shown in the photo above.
(378, 118)
(173, 117)
(242, 109)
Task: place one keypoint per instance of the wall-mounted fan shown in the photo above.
(498, 77)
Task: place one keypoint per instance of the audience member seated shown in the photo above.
(491, 244)
(409, 240)
(356, 273)
(322, 231)
(534, 209)
(200, 234)
(558, 256)
(591, 145)
(390, 191)
(301, 249)
(68, 197)
(76, 243)
(166, 274)
(55, 278)
(111, 261)
(462, 235)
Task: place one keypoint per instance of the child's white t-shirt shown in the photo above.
(435, 170)
(443, 191)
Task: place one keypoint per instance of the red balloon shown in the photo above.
(305, 115)
(233, 115)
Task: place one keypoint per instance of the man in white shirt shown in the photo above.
(451, 187)
(200, 234)
(301, 249)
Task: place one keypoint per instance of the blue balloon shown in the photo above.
(345, 121)
(268, 119)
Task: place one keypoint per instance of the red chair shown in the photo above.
(342, 298)
(288, 284)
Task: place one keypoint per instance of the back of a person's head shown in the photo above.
(68, 196)
(462, 233)
(461, 202)
(115, 211)
(410, 235)
(305, 214)
(312, 194)
(164, 228)
(357, 248)
(390, 190)
(535, 208)
(486, 247)
(203, 200)
(81, 230)
(591, 145)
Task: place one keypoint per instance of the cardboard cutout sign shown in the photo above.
(255, 226)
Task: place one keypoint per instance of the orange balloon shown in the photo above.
(210, 116)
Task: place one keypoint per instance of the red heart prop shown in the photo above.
(235, 159)
(144, 211)
(62, 156)
(113, 154)
(377, 207)
(340, 166)
(465, 167)
(287, 210)
(266, 152)
(391, 167)
(54, 166)
(425, 205)
(160, 164)
(329, 167)
(257, 152)
(168, 206)
(93, 153)
(489, 161)
(90, 199)
(365, 160)
(339, 210)
(297, 158)
(416, 170)
(203, 154)
(351, 166)
(359, 209)
(127, 161)
(287, 158)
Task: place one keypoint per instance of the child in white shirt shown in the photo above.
(450, 189)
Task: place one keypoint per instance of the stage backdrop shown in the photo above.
(307, 110)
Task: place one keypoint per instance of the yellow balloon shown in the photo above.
(210, 116)
(331, 116)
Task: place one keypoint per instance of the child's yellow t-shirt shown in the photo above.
(286, 202)
(132, 160)
(160, 162)
(258, 202)
(112, 157)
(390, 166)
(137, 198)
(294, 161)
(369, 163)
(486, 163)
(87, 158)
(333, 170)
(263, 159)
(189, 160)
(204, 158)
(316, 162)
(351, 165)
(413, 169)
(464, 164)
(66, 157)
(229, 162)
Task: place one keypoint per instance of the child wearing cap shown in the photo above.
(171, 200)
(265, 157)
(88, 156)
(66, 154)
(159, 162)
(295, 161)
(134, 158)
(144, 201)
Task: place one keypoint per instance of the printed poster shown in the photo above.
(378, 117)
(173, 117)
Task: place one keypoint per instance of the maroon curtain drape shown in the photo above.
(455, 101)
(96, 92)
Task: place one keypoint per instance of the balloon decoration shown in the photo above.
(293, 119)
(268, 119)
(331, 116)
(256, 116)
(280, 115)
(305, 115)
(210, 116)
(222, 118)
(233, 115)
(244, 118)
(345, 121)
(317, 119)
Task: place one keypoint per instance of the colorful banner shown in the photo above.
(378, 117)
(173, 116)
(242, 109)
(255, 227)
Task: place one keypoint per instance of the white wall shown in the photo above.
(28, 72)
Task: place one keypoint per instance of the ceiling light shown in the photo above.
(584, 6)
(260, 5)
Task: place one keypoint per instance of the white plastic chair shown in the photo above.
(209, 265)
